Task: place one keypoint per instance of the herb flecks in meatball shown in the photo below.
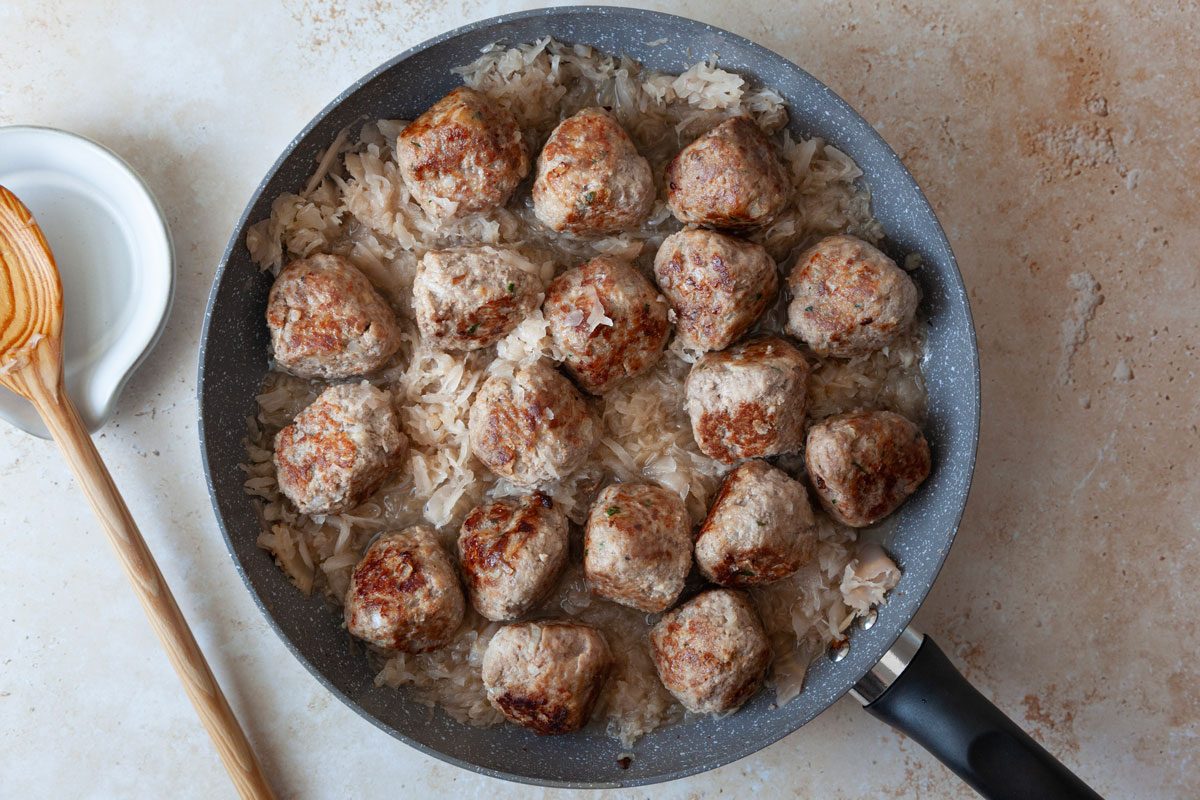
(717, 284)
(591, 179)
(512, 552)
(748, 401)
(711, 653)
(864, 464)
(327, 321)
(637, 549)
(731, 177)
(532, 427)
(608, 320)
(546, 676)
(848, 298)
(467, 298)
(464, 154)
(404, 594)
(760, 528)
(339, 449)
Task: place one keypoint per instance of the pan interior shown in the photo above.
(233, 363)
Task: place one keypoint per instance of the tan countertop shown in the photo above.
(1060, 149)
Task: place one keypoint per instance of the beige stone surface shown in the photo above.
(1058, 143)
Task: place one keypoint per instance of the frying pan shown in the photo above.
(911, 685)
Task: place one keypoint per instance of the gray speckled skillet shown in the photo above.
(233, 360)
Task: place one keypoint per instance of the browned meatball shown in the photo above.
(404, 594)
(848, 298)
(531, 427)
(731, 177)
(637, 548)
(546, 676)
(512, 551)
(467, 298)
(327, 321)
(711, 653)
(759, 529)
(864, 464)
(608, 320)
(338, 450)
(717, 284)
(590, 177)
(464, 154)
(748, 401)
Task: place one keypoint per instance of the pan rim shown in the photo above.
(733, 750)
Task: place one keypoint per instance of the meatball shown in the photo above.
(531, 427)
(759, 529)
(464, 154)
(637, 548)
(546, 676)
(711, 653)
(512, 551)
(327, 321)
(748, 401)
(467, 298)
(731, 177)
(608, 320)
(590, 177)
(404, 594)
(338, 450)
(717, 284)
(864, 464)
(848, 299)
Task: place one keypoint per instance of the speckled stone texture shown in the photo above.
(1058, 149)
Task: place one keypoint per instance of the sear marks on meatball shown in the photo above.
(848, 298)
(512, 551)
(467, 298)
(608, 320)
(531, 427)
(546, 676)
(864, 464)
(748, 401)
(327, 321)
(711, 653)
(464, 154)
(590, 177)
(731, 177)
(637, 547)
(717, 284)
(404, 594)
(760, 528)
(339, 449)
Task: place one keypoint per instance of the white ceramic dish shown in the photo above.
(114, 253)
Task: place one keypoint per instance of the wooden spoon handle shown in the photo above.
(165, 617)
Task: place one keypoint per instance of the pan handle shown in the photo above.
(915, 689)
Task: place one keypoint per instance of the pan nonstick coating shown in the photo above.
(233, 360)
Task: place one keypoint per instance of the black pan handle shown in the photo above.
(917, 691)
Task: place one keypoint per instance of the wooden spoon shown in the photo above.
(31, 315)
